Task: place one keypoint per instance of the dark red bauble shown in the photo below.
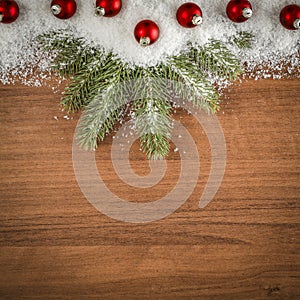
(9, 11)
(290, 17)
(108, 8)
(146, 32)
(63, 9)
(239, 10)
(189, 15)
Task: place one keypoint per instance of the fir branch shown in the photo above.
(102, 113)
(152, 114)
(81, 90)
(189, 83)
(70, 63)
(71, 52)
(155, 145)
(215, 58)
(94, 78)
(242, 40)
(60, 40)
(103, 85)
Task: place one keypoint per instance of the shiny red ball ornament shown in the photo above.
(290, 17)
(9, 11)
(239, 10)
(63, 9)
(146, 33)
(189, 15)
(108, 8)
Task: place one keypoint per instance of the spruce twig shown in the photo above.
(242, 40)
(215, 58)
(72, 53)
(152, 114)
(102, 113)
(189, 83)
(102, 85)
(92, 79)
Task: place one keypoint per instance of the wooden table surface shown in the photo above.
(243, 245)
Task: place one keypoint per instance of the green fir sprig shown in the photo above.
(242, 40)
(103, 87)
(152, 113)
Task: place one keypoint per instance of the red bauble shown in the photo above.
(290, 17)
(239, 10)
(108, 8)
(63, 9)
(189, 15)
(9, 11)
(146, 32)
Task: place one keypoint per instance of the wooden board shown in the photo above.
(244, 245)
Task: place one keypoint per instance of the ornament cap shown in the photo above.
(145, 41)
(56, 9)
(247, 12)
(297, 23)
(197, 20)
(100, 11)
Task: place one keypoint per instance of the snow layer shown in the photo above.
(18, 55)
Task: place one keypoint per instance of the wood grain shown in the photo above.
(243, 245)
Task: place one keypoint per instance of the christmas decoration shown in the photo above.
(9, 11)
(290, 17)
(189, 15)
(199, 62)
(97, 78)
(146, 33)
(63, 9)
(239, 10)
(108, 8)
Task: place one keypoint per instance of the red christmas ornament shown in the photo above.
(189, 15)
(239, 10)
(63, 9)
(290, 17)
(146, 32)
(108, 8)
(9, 11)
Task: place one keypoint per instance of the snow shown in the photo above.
(19, 56)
